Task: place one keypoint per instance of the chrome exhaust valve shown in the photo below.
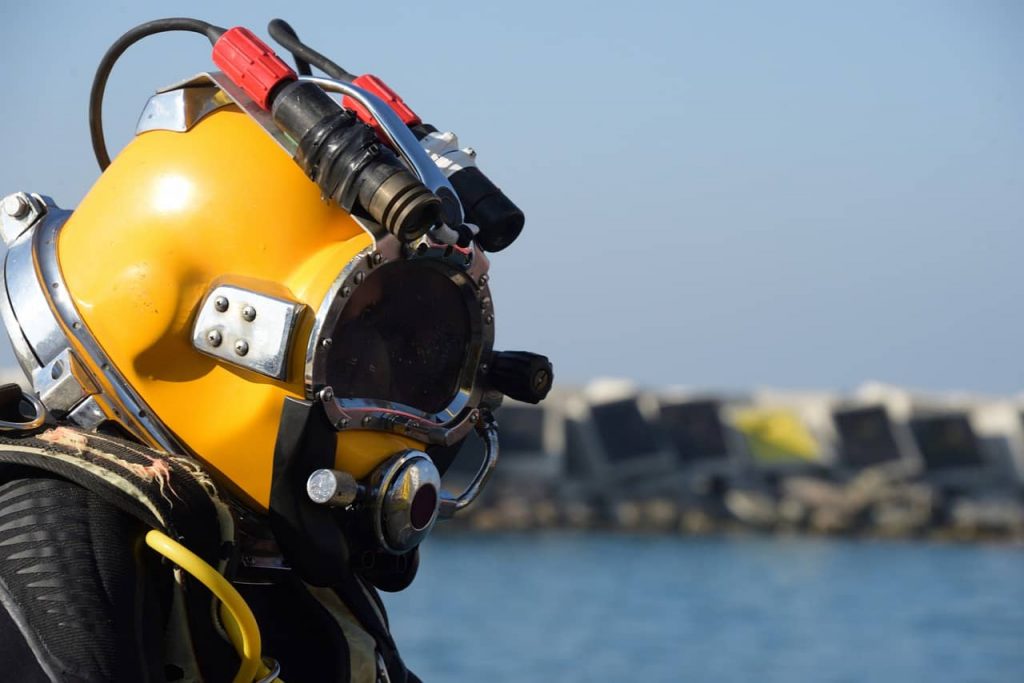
(403, 498)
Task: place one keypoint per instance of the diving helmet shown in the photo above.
(285, 286)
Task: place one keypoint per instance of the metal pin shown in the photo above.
(332, 488)
(249, 313)
(221, 303)
(241, 347)
(214, 337)
(326, 394)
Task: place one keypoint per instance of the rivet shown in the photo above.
(345, 291)
(471, 152)
(489, 319)
(343, 423)
(358, 279)
(326, 342)
(484, 279)
(241, 347)
(326, 394)
(214, 337)
(474, 416)
(16, 206)
(378, 258)
(221, 303)
(367, 420)
(249, 313)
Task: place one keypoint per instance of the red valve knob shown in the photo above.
(250, 64)
(372, 84)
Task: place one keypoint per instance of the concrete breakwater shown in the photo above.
(880, 462)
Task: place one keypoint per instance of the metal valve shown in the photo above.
(332, 488)
(521, 375)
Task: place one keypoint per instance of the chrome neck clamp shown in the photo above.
(50, 338)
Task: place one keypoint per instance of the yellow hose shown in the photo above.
(238, 619)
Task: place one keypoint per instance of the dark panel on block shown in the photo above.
(695, 430)
(623, 431)
(865, 436)
(946, 441)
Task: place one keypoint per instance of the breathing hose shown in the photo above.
(238, 619)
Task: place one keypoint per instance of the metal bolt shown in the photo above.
(214, 337)
(345, 291)
(221, 303)
(249, 313)
(367, 420)
(326, 342)
(343, 423)
(474, 417)
(358, 279)
(241, 347)
(378, 258)
(470, 151)
(16, 206)
(489, 319)
(484, 279)
(326, 394)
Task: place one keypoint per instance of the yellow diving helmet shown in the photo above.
(204, 298)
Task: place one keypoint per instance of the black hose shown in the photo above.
(99, 83)
(285, 35)
(284, 28)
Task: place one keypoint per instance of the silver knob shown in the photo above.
(332, 488)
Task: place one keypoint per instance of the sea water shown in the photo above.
(580, 607)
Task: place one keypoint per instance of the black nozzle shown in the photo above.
(342, 155)
(521, 375)
(486, 206)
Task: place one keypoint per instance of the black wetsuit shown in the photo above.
(84, 600)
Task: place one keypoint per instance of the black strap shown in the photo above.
(167, 492)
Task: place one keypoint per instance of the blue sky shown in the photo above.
(797, 194)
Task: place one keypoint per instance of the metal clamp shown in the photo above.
(34, 423)
(487, 428)
(402, 139)
(273, 670)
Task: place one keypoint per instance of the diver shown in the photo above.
(253, 350)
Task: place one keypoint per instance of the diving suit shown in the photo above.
(252, 351)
